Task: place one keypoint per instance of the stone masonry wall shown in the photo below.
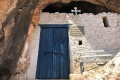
(97, 36)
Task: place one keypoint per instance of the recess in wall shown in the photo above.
(105, 21)
(80, 42)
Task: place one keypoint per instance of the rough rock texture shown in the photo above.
(111, 71)
(17, 18)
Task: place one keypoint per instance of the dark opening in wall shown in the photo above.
(105, 22)
(85, 7)
(80, 42)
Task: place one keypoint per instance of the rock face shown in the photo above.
(18, 19)
(15, 18)
(111, 71)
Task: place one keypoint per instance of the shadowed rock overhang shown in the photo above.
(113, 5)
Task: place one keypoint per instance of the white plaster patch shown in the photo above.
(26, 47)
(33, 51)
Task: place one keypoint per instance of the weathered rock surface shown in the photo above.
(17, 21)
(15, 18)
(111, 71)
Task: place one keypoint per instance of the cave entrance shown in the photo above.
(85, 7)
(47, 59)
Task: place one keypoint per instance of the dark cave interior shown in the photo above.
(85, 7)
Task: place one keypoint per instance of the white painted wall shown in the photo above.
(96, 35)
(33, 51)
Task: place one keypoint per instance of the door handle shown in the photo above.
(45, 53)
(55, 53)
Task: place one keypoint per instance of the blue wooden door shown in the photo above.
(53, 57)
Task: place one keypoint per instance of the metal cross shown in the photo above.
(75, 11)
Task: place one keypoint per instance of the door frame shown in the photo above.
(70, 55)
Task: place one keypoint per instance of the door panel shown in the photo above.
(44, 56)
(53, 58)
(61, 46)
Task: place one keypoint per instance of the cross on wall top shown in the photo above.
(76, 11)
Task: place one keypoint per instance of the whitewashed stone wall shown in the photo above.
(33, 52)
(96, 37)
